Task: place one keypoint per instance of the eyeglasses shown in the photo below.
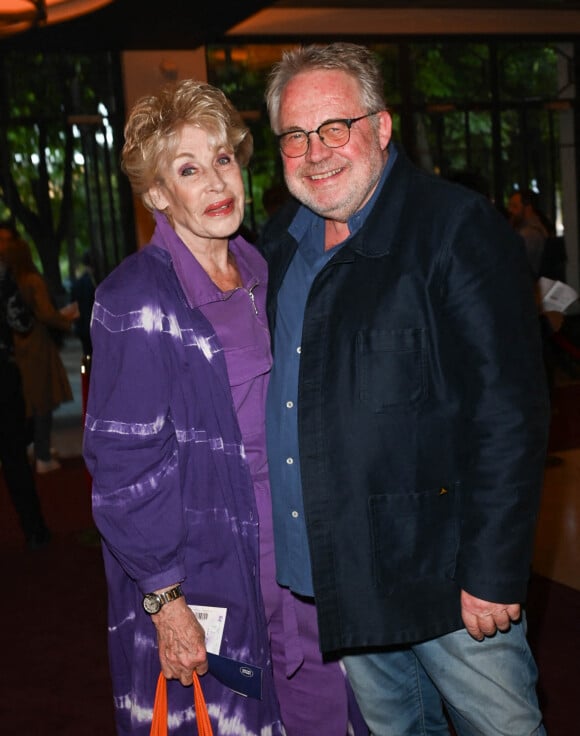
(333, 133)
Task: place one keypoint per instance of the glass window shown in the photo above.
(527, 70)
(449, 72)
(530, 160)
(62, 130)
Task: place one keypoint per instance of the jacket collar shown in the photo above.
(378, 237)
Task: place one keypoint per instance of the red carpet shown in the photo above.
(554, 634)
(54, 680)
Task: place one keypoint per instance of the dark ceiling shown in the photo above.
(431, 4)
(423, 4)
(140, 24)
(186, 24)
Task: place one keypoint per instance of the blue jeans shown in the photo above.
(489, 687)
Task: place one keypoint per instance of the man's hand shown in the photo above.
(482, 618)
(181, 640)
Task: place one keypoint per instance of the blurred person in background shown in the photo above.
(15, 316)
(525, 219)
(83, 293)
(44, 377)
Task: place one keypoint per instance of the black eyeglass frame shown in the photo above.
(347, 121)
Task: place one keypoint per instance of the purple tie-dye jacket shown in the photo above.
(172, 493)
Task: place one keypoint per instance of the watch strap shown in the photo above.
(171, 595)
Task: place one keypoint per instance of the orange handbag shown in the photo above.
(159, 723)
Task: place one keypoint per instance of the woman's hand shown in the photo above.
(71, 311)
(181, 640)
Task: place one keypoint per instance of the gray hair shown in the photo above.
(357, 61)
(153, 127)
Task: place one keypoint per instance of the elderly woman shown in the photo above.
(174, 436)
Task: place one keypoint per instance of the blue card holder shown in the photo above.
(241, 677)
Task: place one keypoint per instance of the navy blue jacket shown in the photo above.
(423, 413)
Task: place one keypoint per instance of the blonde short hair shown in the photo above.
(153, 127)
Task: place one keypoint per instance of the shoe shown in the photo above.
(47, 466)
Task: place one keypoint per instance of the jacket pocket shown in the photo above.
(414, 536)
(391, 368)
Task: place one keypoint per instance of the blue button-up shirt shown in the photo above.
(292, 553)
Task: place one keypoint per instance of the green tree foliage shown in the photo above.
(46, 100)
(528, 71)
(457, 72)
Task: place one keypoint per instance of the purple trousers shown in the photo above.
(315, 697)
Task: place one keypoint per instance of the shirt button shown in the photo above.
(289, 404)
(290, 461)
(295, 514)
(299, 349)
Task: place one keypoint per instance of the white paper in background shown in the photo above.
(213, 620)
(556, 295)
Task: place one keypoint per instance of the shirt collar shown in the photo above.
(197, 286)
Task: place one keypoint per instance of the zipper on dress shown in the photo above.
(253, 298)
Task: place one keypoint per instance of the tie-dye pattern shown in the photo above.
(172, 494)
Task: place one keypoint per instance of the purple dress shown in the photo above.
(314, 696)
(172, 491)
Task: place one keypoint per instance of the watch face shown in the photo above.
(152, 603)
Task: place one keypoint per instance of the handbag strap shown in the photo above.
(159, 721)
(203, 723)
